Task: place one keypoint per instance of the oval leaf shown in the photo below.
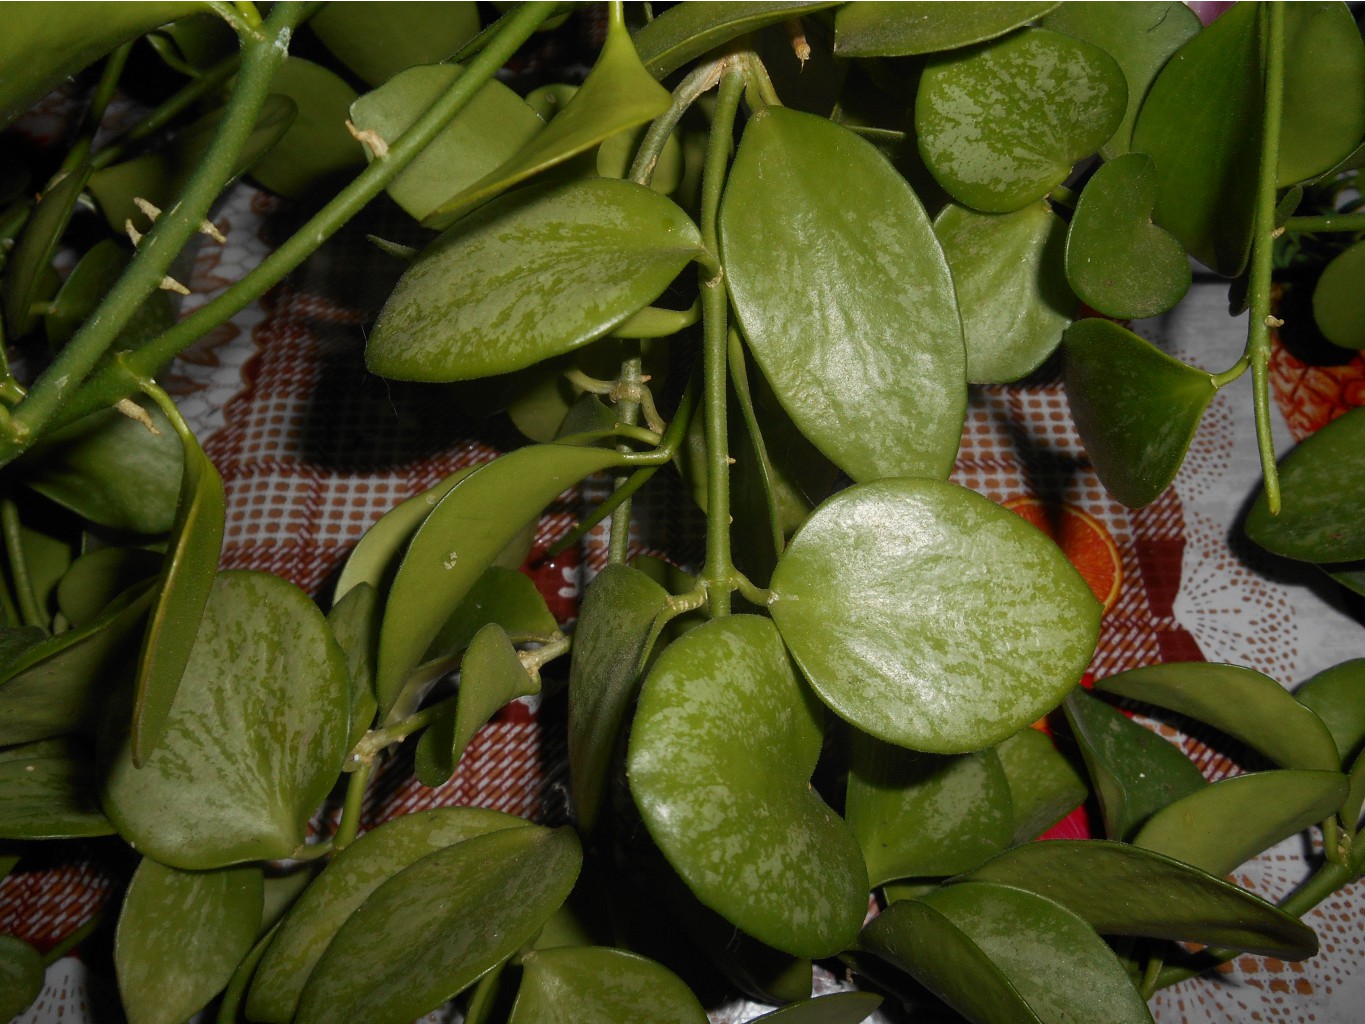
(21, 976)
(355, 624)
(1044, 787)
(875, 29)
(979, 627)
(1339, 299)
(316, 150)
(49, 793)
(95, 580)
(601, 986)
(379, 40)
(686, 31)
(1324, 90)
(87, 286)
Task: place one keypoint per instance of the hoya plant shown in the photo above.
(768, 246)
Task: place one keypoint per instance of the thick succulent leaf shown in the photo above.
(316, 151)
(724, 742)
(1324, 90)
(921, 815)
(255, 739)
(344, 885)
(230, 1007)
(379, 40)
(686, 31)
(595, 985)
(1339, 299)
(48, 791)
(459, 540)
(501, 595)
(1241, 702)
(875, 29)
(1322, 488)
(1136, 408)
(980, 624)
(837, 1008)
(96, 579)
(355, 624)
(611, 641)
(1126, 890)
(617, 95)
(844, 303)
(1207, 154)
(1225, 824)
(1337, 696)
(534, 275)
(1044, 787)
(87, 286)
(180, 937)
(1011, 286)
(482, 136)
(21, 976)
(1117, 260)
(1134, 771)
(1140, 36)
(1002, 124)
(456, 913)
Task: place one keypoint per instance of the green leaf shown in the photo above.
(1220, 827)
(180, 936)
(355, 624)
(490, 129)
(455, 913)
(836, 1008)
(1126, 890)
(979, 623)
(1011, 287)
(721, 754)
(87, 286)
(595, 985)
(475, 521)
(1207, 154)
(589, 253)
(1000, 127)
(1001, 955)
(21, 976)
(1117, 260)
(901, 29)
(234, 995)
(1324, 90)
(1135, 407)
(1044, 787)
(379, 40)
(686, 31)
(618, 94)
(48, 792)
(1241, 702)
(316, 151)
(611, 642)
(31, 259)
(1134, 771)
(500, 595)
(354, 873)
(1140, 36)
(1322, 484)
(96, 579)
(255, 739)
(491, 675)
(923, 815)
(848, 308)
(1337, 696)
(48, 557)
(1339, 299)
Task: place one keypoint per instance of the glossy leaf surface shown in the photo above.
(876, 29)
(378, 40)
(595, 985)
(611, 642)
(457, 913)
(1044, 787)
(591, 252)
(316, 150)
(355, 624)
(254, 742)
(1337, 696)
(21, 976)
(343, 886)
(96, 579)
(686, 31)
(1324, 90)
(979, 627)
(1126, 890)
(846, 303)
(1322, 486)
(48, 791)
(1339, 299)
(1241, 702)
(500, 595)
(180, 936)
(836, 1008)
(721, 754)
(1135, 407)
(1117, 260)
(1011, 286)
(1001, 125)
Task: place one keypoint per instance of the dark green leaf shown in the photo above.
(48, 792)
(876, 29)
(87, 286)
(316, 150)
(96, 579)
(355, 623)
(1324, 90)
(1339, 299)
(47, 556)
(688, 30)
(379, 40)
(30, 261)
(1044, 787)
(594, 985)
(21, 976)
(837, 1008)
(234, 995)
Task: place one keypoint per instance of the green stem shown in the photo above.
(349, 824)
(641, 434)
(377, 739)
(1151, 977)
(698, 82)
(756, 76)
(628, 413)
(29, 609)
(99, 103)
(1327, 222)
(1220, 380)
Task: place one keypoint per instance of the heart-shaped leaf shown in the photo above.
(316, 151)
(483, 135)
(1135, 407)
(611, 642)
(979, 624)
(21, 976)
(355, 624)
(48, 791)
(500, 595)
(1225, 824)
(686, 31)
(255, 739)
(96, 579)
(378, 40)
(1126, 890)
(86, 287)
(1322, 484)
(1339, 299)
(1044, 787)
(592, 252)
(617, 95)
(455, 913)
(875, 29)
(921, 815)
(836, 1008)
(1324, 90)
(1241, 702)
(343, 886)
(601, 986)
(721, 753)
(1000, 127)
(1207, 153)
(1011, 287)
(180, 936)
(842, 318)
(1117, 260)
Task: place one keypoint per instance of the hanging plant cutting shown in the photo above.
(772, 245)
